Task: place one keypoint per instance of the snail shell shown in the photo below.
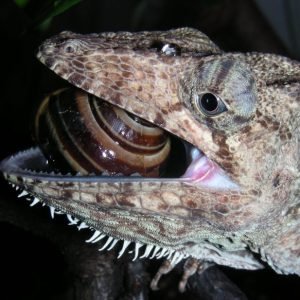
(80, 132)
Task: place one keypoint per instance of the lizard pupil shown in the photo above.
(209, 102)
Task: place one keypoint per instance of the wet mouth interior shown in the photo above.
(181, 156)
(185, 162)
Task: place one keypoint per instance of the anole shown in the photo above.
(238, 203)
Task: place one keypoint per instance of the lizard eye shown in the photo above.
(210, 104)
(168, 49)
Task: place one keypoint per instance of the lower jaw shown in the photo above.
(198, 170)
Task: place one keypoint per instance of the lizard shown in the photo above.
(237, 203)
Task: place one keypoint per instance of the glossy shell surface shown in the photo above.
(82, 133)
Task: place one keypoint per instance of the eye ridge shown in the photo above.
(210, 104)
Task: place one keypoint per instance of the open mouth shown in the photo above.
(82, 134)
(65, 153)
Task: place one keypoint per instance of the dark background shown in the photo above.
(38, 256)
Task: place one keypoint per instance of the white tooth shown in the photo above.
(34, 202)
(52, 211)
(94, 236)
(82, 225)
(113, 244)
(156, 249)
(125, 245)
(181, 256)
(162, 253)
(24, 193)
(175, 257)
(73, 221)
(59, 212)
(147, 251)
(17, 188)
(170, 254)
(103, 235)
(109, 240)
(136, 250)
(43, 204)
(13, 185)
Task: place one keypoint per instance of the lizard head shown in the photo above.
(229, 106)
(238, 115)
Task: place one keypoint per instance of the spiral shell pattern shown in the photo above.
(82, 133)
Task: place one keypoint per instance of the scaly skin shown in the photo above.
(256, 142)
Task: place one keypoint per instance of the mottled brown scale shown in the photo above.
(255, 140)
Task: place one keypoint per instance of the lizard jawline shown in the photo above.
(201, 171)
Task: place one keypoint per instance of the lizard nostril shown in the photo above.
(70, 46)
(69, 49)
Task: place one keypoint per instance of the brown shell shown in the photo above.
(82, 133)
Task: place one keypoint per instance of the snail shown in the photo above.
(81, 133)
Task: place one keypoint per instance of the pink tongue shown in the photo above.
(204, 171)
(201, 169)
